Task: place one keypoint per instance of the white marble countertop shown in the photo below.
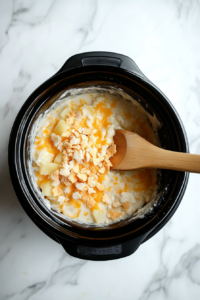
(36, 38)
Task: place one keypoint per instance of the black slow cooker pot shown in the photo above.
(123, 238)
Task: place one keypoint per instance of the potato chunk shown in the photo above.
(65, 112)
(47, 189)
(58, 158)
(87, 111)
(48, 168)
(61, 127)
(98, 215)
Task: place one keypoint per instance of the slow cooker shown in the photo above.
(120, 239)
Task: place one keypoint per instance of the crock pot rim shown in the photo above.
(102, 68)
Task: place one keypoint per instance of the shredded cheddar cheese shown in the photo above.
(73, 151)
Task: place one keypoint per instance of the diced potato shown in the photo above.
(58, 158)
(43, 156)
(65, 112)
(70, 211)
(87, 111)
(60, 127)
(48, 168)
(47, 188)
(99, 99)
(121, 120)
(98, 215)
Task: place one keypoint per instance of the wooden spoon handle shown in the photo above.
(164, 159)
(134, 152)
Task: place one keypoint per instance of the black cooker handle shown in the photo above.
(101, 59)
(101, 251)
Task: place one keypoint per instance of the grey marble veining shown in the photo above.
(36, 38)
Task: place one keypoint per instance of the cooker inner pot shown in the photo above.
(167, 180)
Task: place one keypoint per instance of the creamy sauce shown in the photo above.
(124, 191)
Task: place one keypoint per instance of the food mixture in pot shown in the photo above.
(71, 158)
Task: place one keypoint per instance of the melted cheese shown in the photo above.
(128, 188)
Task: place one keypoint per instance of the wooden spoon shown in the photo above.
(134, 152)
